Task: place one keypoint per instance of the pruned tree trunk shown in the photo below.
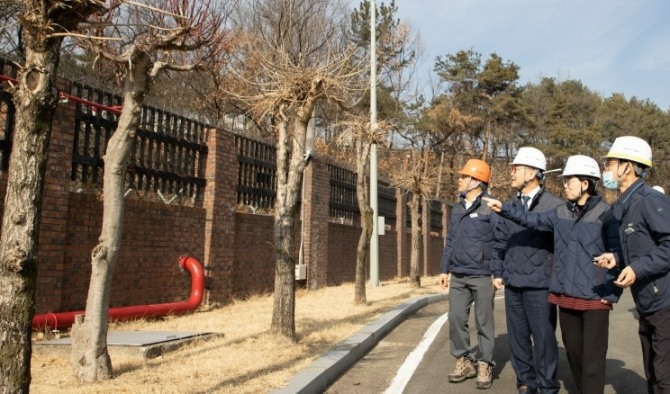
(416, 241)
(290, 166)
(90, 358)
(362, 166)
(35, 102)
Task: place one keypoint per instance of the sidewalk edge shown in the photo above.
(317, 376)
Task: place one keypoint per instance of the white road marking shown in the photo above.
(413, 359)
(406, 370)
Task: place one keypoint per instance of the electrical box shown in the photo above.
(300, 271)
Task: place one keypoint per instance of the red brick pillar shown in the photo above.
(425, 230)
(401, 233)
(55, 208)
(446, 210)
(316, 218)
(219, 201)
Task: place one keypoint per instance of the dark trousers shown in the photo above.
(585, 335)
(655, 339)
(531, 328)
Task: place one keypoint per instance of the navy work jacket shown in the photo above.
(523, 257)
(644, 228)
(467, 250)
(579, 236)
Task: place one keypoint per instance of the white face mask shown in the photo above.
(609, 182)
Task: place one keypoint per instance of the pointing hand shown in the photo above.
(495, 205)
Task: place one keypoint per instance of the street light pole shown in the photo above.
(374, 239)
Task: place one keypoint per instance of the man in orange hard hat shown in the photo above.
(467, 258)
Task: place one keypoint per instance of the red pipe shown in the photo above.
(115, 109)
(63, 320)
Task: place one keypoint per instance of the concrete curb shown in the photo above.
(317, 376)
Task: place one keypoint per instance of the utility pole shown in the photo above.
(374, 203)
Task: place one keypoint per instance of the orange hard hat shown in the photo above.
(477, 169)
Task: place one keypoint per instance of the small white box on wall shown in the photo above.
(300, 271)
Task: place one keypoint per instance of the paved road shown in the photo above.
(402, 363)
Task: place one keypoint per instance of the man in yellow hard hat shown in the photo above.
(644, 229)
(467, 258)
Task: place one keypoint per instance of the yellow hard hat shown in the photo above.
(632, 149)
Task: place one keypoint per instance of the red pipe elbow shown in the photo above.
(63, 320)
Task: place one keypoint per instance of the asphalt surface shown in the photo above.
(377, 357)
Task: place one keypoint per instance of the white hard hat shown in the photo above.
(632, 149)
(531, 157)
(658, 189)
(580, 165)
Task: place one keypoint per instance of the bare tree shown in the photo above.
(44, 24)
(359, 131)
(143, 40)
(295, 55)
(419, 177)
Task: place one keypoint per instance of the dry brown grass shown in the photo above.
(245, 359)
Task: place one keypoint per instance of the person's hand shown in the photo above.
(494, 205)
(497, 283)
(605, 260)
(444, 281)
(626, 278)
(606, 302)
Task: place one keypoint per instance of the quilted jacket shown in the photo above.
(644, 217)
(578, 238)
(524, 257)
(467, 250)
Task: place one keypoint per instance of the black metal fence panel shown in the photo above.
(257, 173)
(387, 203)
(343, 203)
(167, 155)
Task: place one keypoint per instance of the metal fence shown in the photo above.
(168, 153)
(257, 173)
(343, 203)
(387, 203)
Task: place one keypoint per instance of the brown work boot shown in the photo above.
(464, 370)
(484, 375)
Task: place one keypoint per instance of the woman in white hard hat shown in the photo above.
(519, 262)
(644, 220)
(583, 292)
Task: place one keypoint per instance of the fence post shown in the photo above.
(316, 215)
(219, 202)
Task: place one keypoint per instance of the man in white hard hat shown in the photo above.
(582, 229)
(644, 220)
(520, 257)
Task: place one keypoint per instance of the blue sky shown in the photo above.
(612, 46)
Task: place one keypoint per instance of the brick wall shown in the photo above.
(147, 270)
(254, 268)
(235, 248)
